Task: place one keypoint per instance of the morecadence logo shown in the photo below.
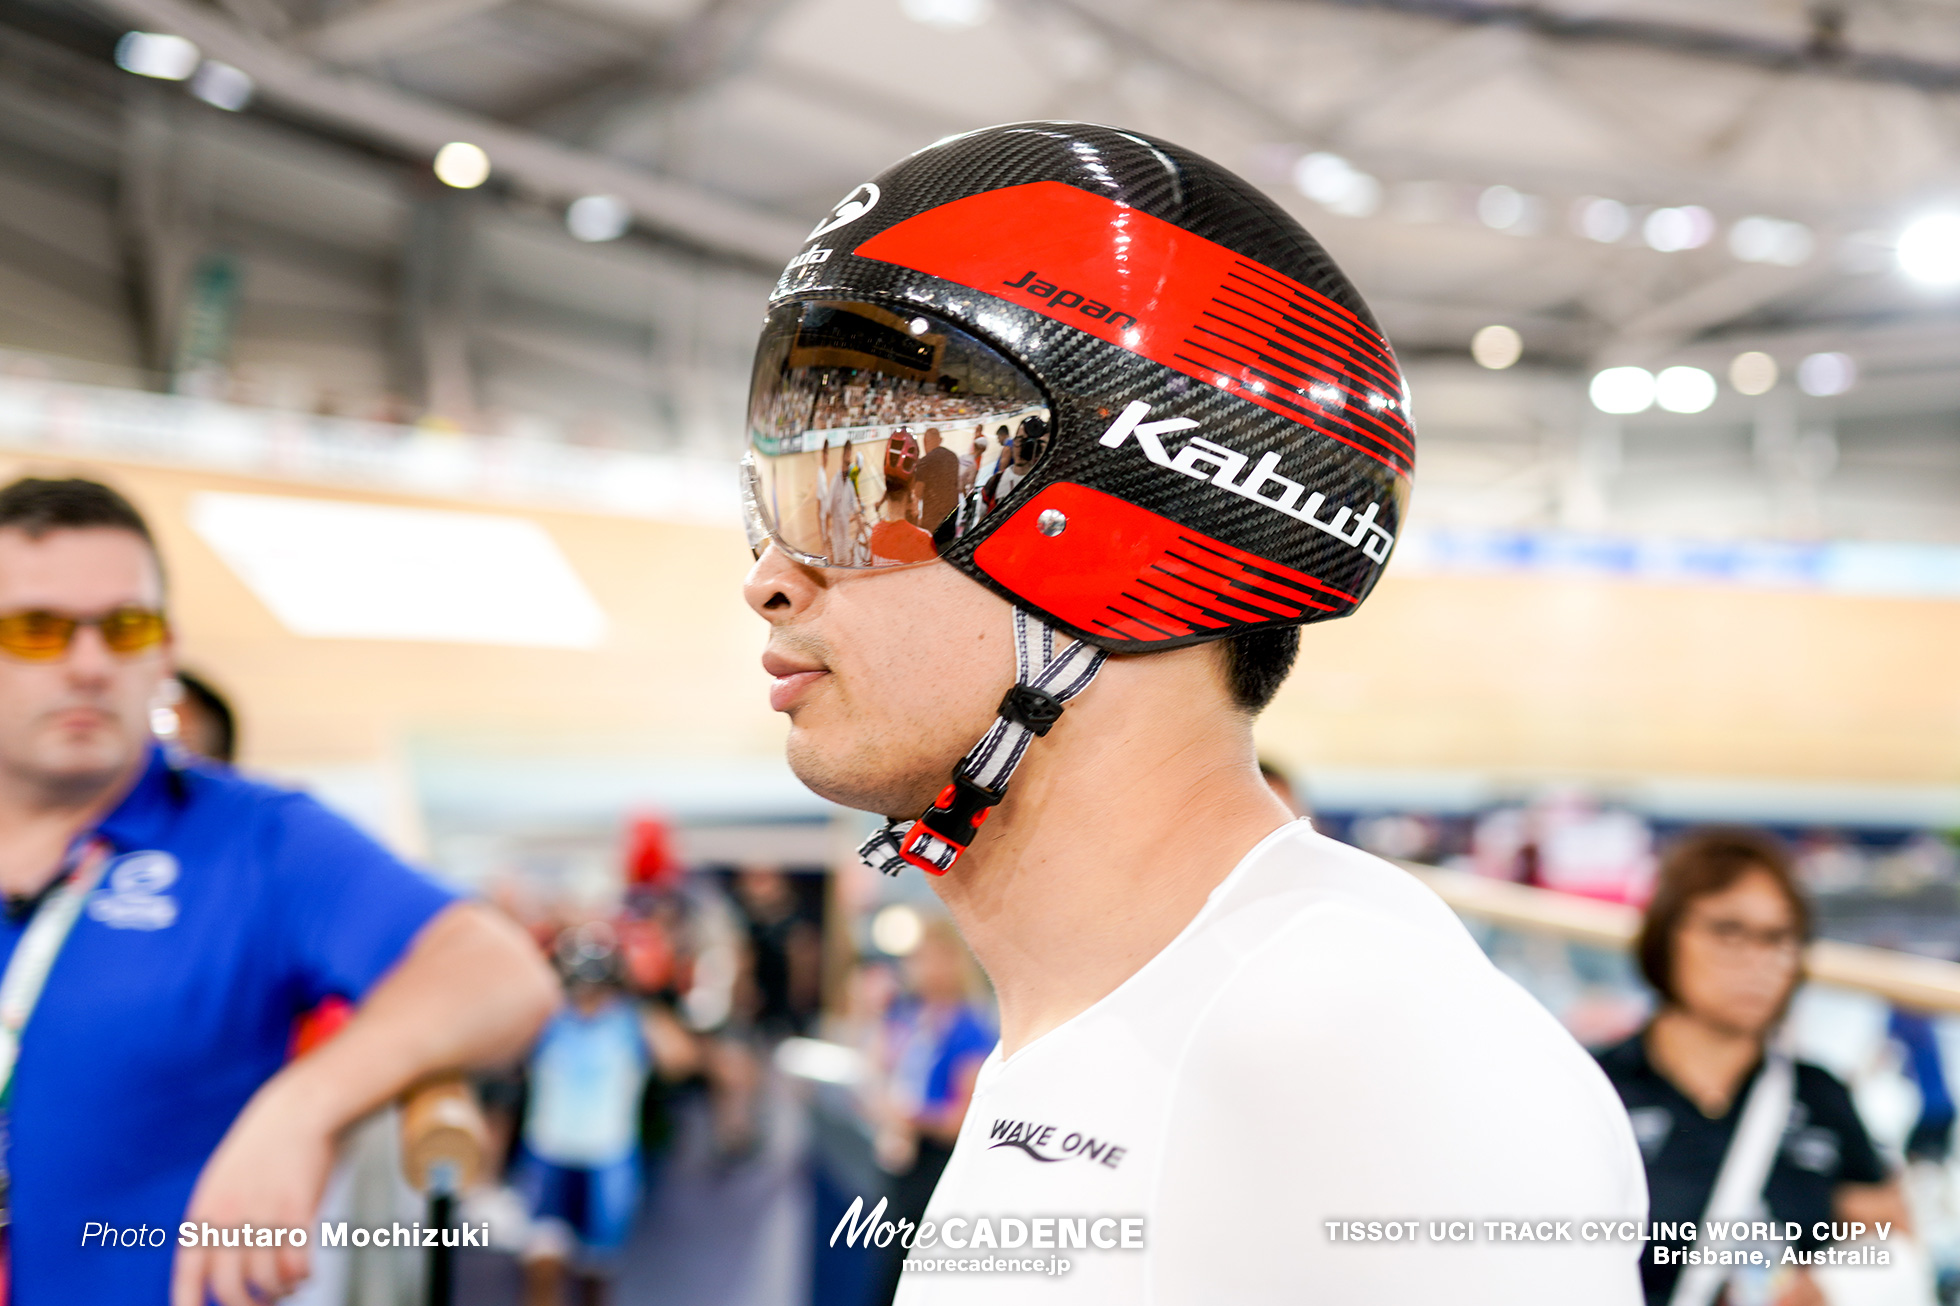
(991, 1233)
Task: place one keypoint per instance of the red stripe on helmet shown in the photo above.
(1138, 577)
(1162, 293)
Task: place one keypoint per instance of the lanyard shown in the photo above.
(27, 971)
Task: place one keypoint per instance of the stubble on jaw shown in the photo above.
(854, 745)
(907, 694)
(858, 760)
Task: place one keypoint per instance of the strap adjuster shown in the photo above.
(1035, 709)
(959, 811)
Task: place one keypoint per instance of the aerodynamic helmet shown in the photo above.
(1098, 374)
(1219, 432)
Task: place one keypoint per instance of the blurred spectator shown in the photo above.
(785, 951)
(1827, 862)
(1399, 836)
(1722, 946)
(1931, 1138)
(166, 1098)
(206, 726)
(578, 1167)
(1565, 840)
(935, 1038)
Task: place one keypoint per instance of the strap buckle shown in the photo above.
(959, 811)
(1035, 709)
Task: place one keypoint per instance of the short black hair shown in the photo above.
(209, 701)
(1257, 662)
(36, 506)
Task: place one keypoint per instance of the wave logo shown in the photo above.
(1204, 460)
(1037, 1140)
(133, 896)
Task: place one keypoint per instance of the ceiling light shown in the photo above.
(1684, 389)
(1753, 373)
(948, 15)
(222, 86)
(1758, 239)
(334, 569)
(1623, 390)
(1500, 207)
(462, 165)
(1496, 347)
(155, 54)
(595, 218)
(1929, 249)
(1602, 220)
(1827, 374)
(1337, 185)
(1670, 230)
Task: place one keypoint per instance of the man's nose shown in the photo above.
(780, 588)
(89, 657)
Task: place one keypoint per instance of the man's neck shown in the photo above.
(1118, 826)
(38, 821)
(1706, 1061)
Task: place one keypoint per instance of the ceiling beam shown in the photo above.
(386, 27)
(1661, 328)
(1824, 52)
(716, 43)
(419, 127)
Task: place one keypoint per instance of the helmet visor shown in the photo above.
(878, 436)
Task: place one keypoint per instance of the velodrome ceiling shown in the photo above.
(1458, 157)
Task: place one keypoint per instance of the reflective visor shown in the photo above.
(877, 437)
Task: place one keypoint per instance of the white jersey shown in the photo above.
(1323, 1049)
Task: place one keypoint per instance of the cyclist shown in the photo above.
(1214, 1022)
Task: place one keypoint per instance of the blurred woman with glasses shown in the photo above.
(1722, 946)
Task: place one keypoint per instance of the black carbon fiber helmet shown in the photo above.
(1167, 416)
(1098, 374)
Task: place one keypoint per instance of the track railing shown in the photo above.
(1902, 977)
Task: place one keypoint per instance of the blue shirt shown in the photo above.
(931, 1051)
(229, 908)
(586, 1079)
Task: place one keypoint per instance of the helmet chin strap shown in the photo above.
(1044, 683)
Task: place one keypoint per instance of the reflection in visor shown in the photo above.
(876, 438)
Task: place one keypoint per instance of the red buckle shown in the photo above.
(960, 809)
(919, 831)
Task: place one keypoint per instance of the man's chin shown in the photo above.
(859, 787)
(83, 767)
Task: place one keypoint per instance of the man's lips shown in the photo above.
(789, 679)
(78, 718)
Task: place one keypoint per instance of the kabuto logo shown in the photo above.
(1203, 460)
(1039, 1140)
(854, 206)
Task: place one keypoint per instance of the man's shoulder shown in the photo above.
(1819, 1089)
(1304, 885)
(208, 787)
(276, 828)
(1351, 947)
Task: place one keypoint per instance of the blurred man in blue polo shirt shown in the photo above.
(163, 925)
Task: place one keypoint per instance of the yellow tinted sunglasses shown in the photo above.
(40, 636)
